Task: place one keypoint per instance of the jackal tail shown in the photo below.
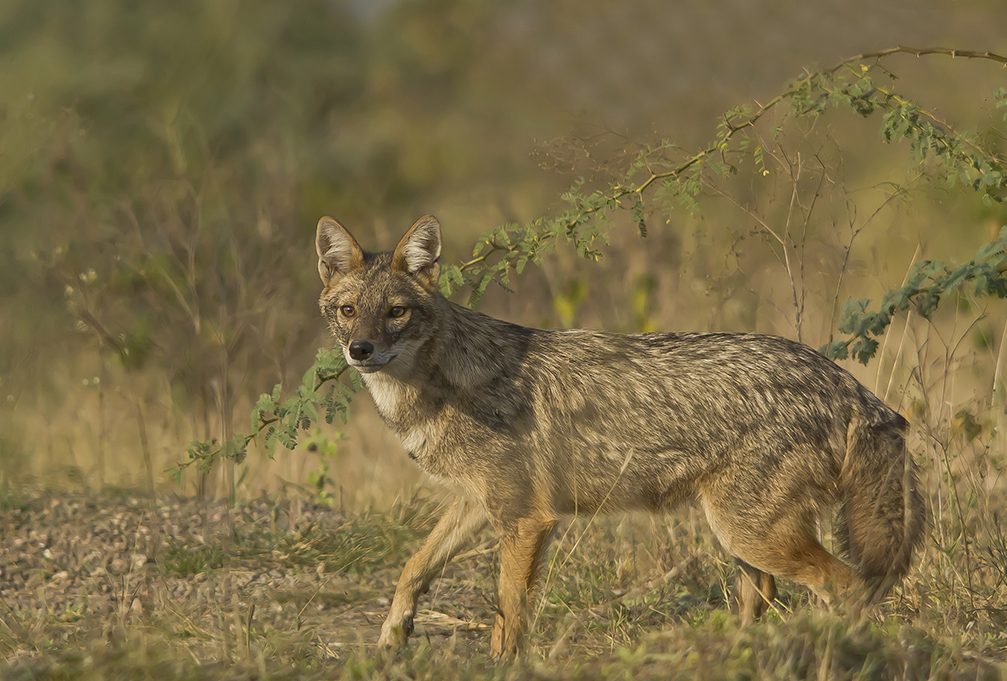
(882, 517)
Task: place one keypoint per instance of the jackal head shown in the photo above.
(380, 306)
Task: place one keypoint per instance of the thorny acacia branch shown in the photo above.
(502, 249)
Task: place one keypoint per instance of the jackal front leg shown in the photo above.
(520, 555)
(462, 519)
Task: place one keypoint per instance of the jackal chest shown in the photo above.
(403, 410)
(389, 395)
(418, 443)
(437, 453)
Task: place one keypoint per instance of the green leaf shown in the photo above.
(958, 276)
(308, 382)
(895, 300)
(175, 474)
(287, 439)
(864, 349)
(639, 217)
(852, 313)
(265, 405)
(837, 349)
(270, 441)
(927, 302)
(310, 415)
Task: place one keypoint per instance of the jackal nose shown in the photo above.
(361, 350)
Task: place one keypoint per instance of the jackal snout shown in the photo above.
(360, 350)
(371, 349)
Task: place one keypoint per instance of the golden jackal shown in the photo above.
(531, 425)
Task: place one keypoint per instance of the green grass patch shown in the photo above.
(184, 561)
(357, 544)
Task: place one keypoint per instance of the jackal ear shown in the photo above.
(338, 252)
(419, 250)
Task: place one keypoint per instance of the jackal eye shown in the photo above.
(347, 310)
(397, 311)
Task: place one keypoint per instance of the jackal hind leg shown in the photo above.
(778, 539)
(521, 549)
(755, 590)
(462, 519)
(790, 549)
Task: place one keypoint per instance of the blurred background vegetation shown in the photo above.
(163, 165)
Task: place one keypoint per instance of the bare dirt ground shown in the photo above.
(297, 579)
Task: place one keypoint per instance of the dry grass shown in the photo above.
(125, 586)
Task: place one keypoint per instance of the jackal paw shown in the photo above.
(394, 634)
